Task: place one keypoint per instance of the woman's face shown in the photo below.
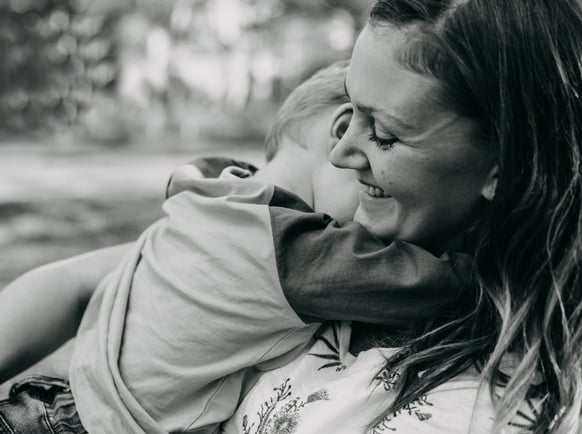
(422, 175)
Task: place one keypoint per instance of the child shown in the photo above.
(237, 275)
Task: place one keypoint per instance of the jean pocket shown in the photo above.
(40, 387)
(40, 405)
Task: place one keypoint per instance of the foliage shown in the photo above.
(55, 58)
(113, 69)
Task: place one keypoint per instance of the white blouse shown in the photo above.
(328, 390)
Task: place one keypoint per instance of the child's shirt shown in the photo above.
(235, 276)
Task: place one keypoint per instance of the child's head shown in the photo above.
(323, 91)
(314, 117)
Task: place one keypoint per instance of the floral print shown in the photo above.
(284, 420)
(328, 390)
(387, 379)
(285, 423)
(332, 351)
(415, 408)
(526, 421)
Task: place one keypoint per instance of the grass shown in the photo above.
(36, 233)
(55, 205)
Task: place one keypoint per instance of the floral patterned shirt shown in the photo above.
(329, 390)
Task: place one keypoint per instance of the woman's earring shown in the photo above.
(490, 188)
(489, 193)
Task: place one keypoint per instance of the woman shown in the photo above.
(467, 117)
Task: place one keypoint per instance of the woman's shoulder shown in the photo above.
(464, 404)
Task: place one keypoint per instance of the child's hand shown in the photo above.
(207, 167)
(180, 176)
(235, 172)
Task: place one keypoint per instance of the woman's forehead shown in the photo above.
(378, 83)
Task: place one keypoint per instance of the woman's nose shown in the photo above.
(348, 154)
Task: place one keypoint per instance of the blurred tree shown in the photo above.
(357, 8)
(108, 68)
(35, 68)
(55, 56)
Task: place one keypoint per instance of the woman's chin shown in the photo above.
(377, 221)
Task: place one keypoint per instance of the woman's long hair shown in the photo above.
(516, 68)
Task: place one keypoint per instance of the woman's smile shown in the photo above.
(373, 191)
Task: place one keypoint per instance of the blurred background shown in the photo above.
(100, 100)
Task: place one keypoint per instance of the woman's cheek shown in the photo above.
(336, 192)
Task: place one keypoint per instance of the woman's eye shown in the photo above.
(383, 143)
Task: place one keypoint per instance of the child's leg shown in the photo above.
(42, 309)
(40, 405)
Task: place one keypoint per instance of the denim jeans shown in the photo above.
(40, 405)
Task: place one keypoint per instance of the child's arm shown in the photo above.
(333, 272)
(327, 271)
(42, 309)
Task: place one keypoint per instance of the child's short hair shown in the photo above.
(323, 89)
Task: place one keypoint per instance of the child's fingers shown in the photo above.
(180, 176)
(235, 172)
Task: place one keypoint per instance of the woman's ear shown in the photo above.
(341, 120)
(490, 186)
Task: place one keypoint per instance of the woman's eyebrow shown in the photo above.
(369, 110)
(362, 108)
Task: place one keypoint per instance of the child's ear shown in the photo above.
(341, 120)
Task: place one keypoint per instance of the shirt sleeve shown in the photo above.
(211, 167)
(207, 167)
(333, 272)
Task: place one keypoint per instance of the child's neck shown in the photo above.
(291, 169)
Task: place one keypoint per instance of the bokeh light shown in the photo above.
(155, 60)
